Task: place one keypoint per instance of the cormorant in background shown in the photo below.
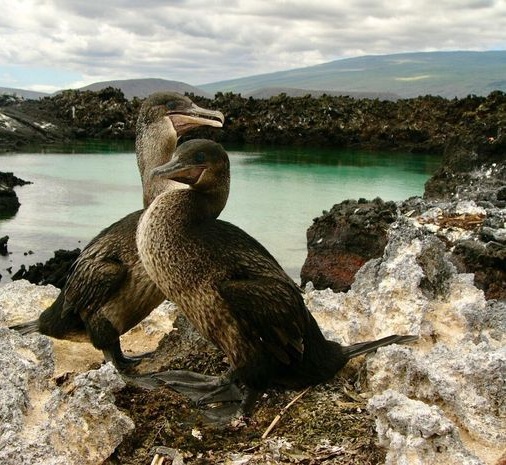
(108, 291)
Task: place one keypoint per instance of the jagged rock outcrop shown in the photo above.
(411, 125)
(3, 245)
(470, 220)
(55, 271)
(68, 115)
(417, 433)
(9, 202)
(70, 420)
(471, 234)
(24, 122)
(340, 241)
(473, 168)
(105, 113)
(452, 380)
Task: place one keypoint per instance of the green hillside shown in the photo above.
(143, 87)
(448, 74)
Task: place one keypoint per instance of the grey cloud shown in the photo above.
(202, 41)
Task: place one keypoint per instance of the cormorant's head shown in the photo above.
(200, 163)
(177, 110)
(163, 118)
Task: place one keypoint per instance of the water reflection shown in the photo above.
(420, 163)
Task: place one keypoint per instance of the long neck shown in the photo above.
(191, 207)
(212, 202)
(155, 145)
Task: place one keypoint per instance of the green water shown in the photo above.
(275, 194)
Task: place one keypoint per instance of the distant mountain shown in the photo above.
(387, 77)
(26, 94)
(448, 74)
(143, 87)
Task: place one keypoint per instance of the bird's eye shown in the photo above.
(200, 157)
(171, 105)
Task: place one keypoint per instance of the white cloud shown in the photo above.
(199, 41)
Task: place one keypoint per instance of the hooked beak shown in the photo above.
(196, 116)
(177, 171)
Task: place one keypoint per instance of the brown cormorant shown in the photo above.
(229, 286)
(108, 291)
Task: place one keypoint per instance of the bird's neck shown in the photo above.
(189, 208)
(154, 146)
(212, 202)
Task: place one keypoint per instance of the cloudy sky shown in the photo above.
(47, 45)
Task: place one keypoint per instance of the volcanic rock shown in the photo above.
(67, 115)
(473, 168)
(3, 245)
(10, 180)
(9, 202)
(422, 434)
(410, 125)
(54, 271)
(462, 206)
(474, 174)
(342, 240)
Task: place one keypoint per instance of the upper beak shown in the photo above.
(177, 171)
(196, 116)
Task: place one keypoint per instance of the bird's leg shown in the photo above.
(114, 354)
(248, 402)
(105, 336)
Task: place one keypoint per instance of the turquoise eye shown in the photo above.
(200, 157)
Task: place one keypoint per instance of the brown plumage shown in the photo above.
(108, 291)
(228, 285)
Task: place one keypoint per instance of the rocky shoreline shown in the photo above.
(463, 205)
(432, 265)
(423, 124)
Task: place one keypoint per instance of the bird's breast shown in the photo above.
(167, 250)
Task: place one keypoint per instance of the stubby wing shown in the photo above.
(92, 283)
(100, 270)
(261, 296)
(272, 311)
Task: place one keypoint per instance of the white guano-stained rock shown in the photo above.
(73, 421)
(458, 365)
(416, 433)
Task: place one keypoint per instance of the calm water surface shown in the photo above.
(275, 194)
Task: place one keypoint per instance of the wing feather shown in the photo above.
(101, 268)
(262, 297)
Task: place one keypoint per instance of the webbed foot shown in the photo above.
(202, 389)
(219, 398)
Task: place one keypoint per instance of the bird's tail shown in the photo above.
(365, 347)
(26, 328)
(55, 323)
